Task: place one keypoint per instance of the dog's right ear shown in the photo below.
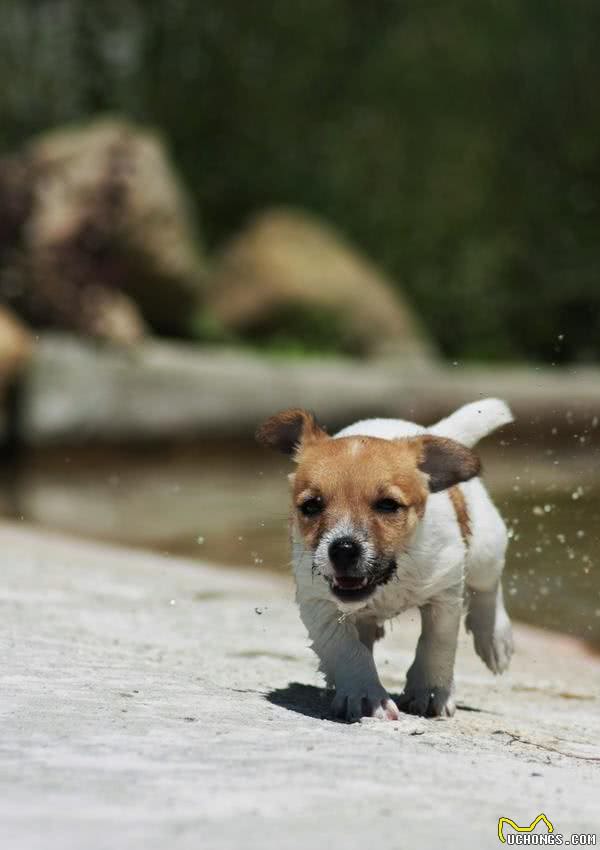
(288, 430)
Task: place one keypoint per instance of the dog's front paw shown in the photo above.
(350, 704)
(428, 701)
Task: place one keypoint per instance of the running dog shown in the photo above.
(386, 516)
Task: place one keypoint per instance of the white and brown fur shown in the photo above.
(387, 516)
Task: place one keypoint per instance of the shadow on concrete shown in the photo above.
(315, 702)
(303, 699)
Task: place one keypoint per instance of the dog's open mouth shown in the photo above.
(350, 588)
(357, 588)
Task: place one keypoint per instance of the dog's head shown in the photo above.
(357, 501)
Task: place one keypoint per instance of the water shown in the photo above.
(552, 575)
(227, 502)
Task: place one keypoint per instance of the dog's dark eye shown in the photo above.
(311, 507)
(387, 506)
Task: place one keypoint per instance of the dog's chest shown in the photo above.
(415, 584)
(391, 600)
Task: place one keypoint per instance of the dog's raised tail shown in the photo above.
(473, 421)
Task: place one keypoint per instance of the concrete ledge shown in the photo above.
(153, 703)
(77, 391)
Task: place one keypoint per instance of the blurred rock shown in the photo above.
(15, 345)
(97, 233)
(287, 268)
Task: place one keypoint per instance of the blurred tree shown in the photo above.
(458, 143)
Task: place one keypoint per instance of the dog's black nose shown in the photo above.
(344, 553)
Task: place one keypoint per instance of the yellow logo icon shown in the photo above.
(516, 828)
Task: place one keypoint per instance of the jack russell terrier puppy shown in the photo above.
(386, 516)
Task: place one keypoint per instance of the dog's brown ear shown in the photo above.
(287, 430)
(446, 462)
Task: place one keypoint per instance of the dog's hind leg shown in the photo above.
(486, 615)
(492, 631)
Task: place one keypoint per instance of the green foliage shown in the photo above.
(302, 330)
(292, 331)
(458, 143)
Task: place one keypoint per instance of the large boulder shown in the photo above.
(99, 235)
(15, 346)
(289, 272)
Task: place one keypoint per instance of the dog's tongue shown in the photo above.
(349, 582)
